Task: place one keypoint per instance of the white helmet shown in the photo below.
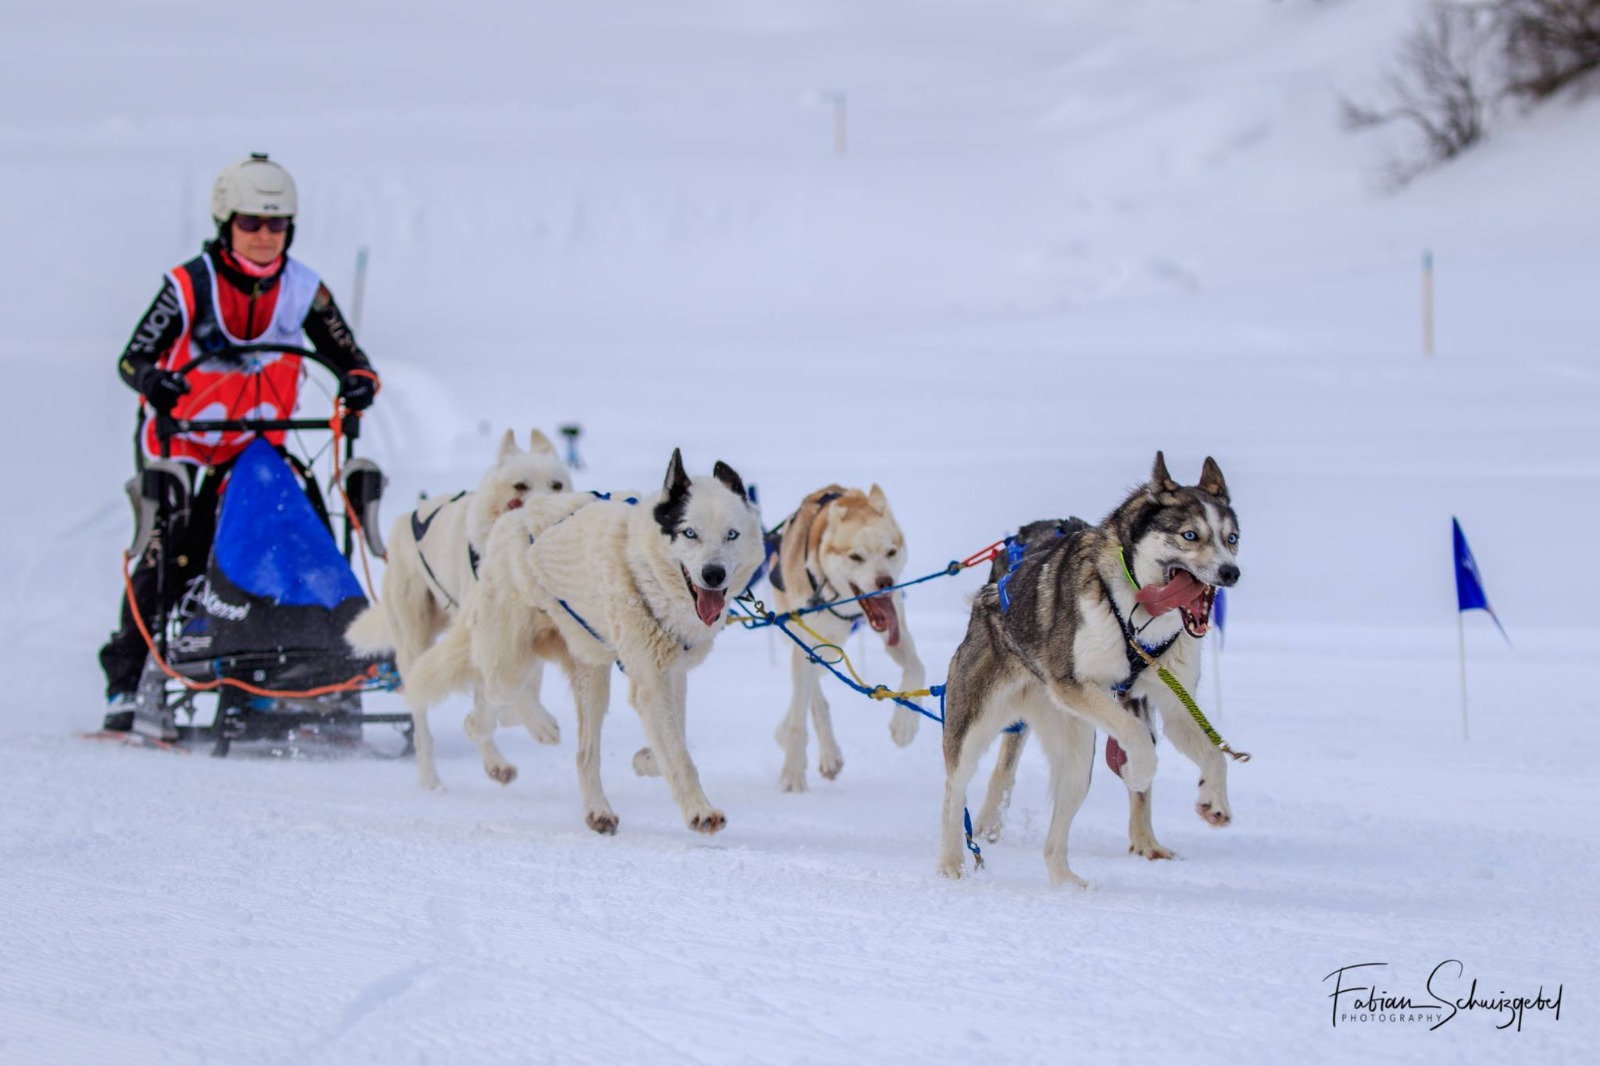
(254, 186)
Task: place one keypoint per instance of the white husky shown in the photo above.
(587, 583)
(432, 563)
(839, 544)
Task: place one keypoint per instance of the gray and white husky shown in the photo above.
(588, 583)
(1051, 643)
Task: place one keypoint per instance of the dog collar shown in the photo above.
(1122, 554)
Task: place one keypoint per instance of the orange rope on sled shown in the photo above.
(353, 684)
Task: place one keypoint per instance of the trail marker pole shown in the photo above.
(359, 293)
(1427, 303)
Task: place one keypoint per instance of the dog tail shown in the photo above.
(369, 633)
(442, 669)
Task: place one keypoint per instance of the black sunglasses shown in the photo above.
(252, 223)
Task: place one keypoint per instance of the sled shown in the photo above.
(252, 648)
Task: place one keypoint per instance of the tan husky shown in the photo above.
(841, 543)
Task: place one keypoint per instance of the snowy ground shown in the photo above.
(1067, 234)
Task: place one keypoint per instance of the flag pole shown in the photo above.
(1461, 632)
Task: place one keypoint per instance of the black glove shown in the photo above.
(162, 387)
(358, 389)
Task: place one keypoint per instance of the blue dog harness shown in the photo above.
(1015, 550)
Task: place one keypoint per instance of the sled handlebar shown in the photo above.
(232, 351)
(167, 426)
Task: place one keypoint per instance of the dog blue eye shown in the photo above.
(691, 534)
(1233, 538)
(1190, 534)
(733, 534)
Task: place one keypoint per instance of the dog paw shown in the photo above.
(830, 763)
(603, 822)
(644, 763)
(989, 825)
(1151, 850)
(541, 725)
(503, 772)
(1214, 814)
(708, 822)
(903, 726)
(1062, 875)
(792, 782)
(955, 871)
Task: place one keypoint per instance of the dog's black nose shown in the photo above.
(1227, 575)
(885, 582)
(713, 576)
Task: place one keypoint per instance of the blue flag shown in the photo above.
(1469, 582)
(1219, 615)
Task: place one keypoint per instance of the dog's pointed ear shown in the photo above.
(877, 499)
(1160, 480)
(538, 442)
(730, 477)
(1211, 480)
(508, 447)
(669, 512)
(677, 483)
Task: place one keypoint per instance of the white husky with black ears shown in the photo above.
(432, 563)
(585, 582)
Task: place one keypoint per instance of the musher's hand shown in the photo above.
(358, 389)
(162, 387)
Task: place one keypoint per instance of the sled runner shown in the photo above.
(259, 631)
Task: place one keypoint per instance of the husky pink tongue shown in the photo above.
(882, 617)
(1185, 590)
(708, 604)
